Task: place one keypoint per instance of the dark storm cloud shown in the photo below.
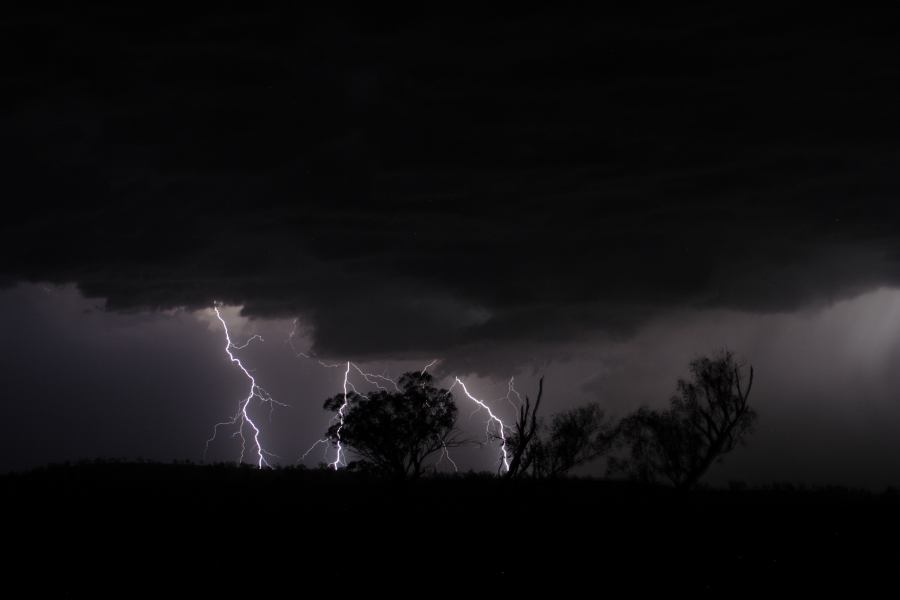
(440, 182)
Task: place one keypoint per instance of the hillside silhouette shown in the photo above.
(152, 517)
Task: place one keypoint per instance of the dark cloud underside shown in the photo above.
(424, 182)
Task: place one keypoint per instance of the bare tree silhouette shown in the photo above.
(574, 437)
(397, 432)
(524, 436)
(706, 419)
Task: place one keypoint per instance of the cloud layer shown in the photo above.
(438, 183)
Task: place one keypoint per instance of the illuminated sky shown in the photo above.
(600, 199)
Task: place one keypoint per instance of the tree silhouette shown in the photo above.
(396, 432)
(523, 438)
(707, 418)
(575, 437)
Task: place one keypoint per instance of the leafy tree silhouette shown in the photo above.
(707, 418)
(396, 432)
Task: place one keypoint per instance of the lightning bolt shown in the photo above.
(323, 441)
(512, 391)
(501, 427)
(338, 459)
(445, 453)
(375, 379)
(242, 419)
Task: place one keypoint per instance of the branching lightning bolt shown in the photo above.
(445, 453)
(375, 379)
(512, 391)
(242, 418)
(501, 427)
(338, 459)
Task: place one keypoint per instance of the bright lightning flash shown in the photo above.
(501, 427)
(338, 459)
(242, 419)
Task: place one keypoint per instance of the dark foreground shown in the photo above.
(239, 528)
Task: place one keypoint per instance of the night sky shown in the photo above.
(598, 198)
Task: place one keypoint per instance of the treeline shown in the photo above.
(405, 433)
